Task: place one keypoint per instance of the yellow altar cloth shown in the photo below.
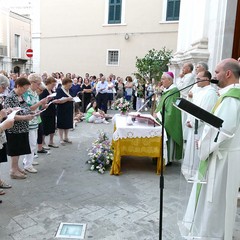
(138, 139)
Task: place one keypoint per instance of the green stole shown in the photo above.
(173, 122)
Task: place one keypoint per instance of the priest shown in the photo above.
(205, 98)
(172, 124)
(212, 206)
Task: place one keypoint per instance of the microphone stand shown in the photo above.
(161, 185)
(146, 102)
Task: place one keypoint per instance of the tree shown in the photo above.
(153, 64)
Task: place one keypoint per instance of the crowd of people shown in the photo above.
(42, 104)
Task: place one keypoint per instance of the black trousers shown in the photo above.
(102, 100)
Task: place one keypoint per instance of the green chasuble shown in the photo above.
(173, 121)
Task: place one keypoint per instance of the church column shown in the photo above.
(205, 32)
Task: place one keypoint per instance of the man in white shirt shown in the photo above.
(101, 90)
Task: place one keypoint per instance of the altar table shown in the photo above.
(139, 139)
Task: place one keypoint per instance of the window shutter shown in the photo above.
(173, 8)
(115, 11)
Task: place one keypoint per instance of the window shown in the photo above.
(17, 46)
(115, 11)
(113, 57)
(173, 8)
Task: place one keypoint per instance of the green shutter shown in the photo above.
(173, 8)
(115, 9)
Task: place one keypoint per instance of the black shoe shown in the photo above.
(169, 164)
(42, 151)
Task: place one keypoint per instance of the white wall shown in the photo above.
(75, 38)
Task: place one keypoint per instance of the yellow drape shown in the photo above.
(142, 147)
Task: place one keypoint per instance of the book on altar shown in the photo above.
(147, 118)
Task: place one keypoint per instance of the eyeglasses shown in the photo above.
(25, 87)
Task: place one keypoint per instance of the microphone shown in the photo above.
(214, 81)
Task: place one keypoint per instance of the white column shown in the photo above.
(206, 31)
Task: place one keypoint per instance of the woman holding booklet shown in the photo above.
(49, 115)
(18, 135)
(64, 110)
(32, 99)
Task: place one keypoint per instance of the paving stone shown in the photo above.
(24, 221)
(13, 226)
(96, 214)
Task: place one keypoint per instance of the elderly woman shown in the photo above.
(64, 110)
(32, 99)
(49, 115)
(5, 124)
(17, 136)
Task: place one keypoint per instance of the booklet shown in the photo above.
(52, 95)
(13, 113)
(76, 99)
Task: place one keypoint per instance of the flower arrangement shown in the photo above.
(100, 154)
(122, 105)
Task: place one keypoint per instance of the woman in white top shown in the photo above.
(128, 88)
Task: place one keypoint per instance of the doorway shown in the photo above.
(16, 70)
(236, 39)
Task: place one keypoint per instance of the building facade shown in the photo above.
(209, 30)
(104, 36)
(15, 39)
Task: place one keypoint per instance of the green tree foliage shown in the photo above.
(153, 64)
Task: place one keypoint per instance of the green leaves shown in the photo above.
(153, 64)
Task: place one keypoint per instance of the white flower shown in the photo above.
(92, 168)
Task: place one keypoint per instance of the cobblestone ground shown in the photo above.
(113, 207)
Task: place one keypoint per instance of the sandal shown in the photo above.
(4, 185)
(62, 143)
(67, 140)
(18, 175)
(2, 192)
(22, 171)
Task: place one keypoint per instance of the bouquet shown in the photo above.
(100, 154)
(122, 105)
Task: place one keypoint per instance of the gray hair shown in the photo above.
(33, 77)
(204, 65)
(4, 81)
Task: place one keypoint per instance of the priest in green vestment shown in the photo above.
(173, 122)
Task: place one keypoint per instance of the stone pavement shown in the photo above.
(113, 207)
